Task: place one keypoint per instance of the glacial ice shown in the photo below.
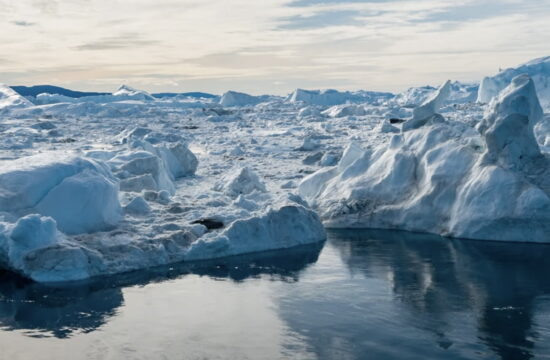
(9, 99)
(112, 183)
(80, 194)
(234, 98)
(445, 178)
(537, 69)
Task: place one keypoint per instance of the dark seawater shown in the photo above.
(361, 295)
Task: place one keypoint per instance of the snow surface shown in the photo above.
(105, 184)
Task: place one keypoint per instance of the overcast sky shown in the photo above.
(265, 46)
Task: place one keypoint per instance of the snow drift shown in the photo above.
(444, 177)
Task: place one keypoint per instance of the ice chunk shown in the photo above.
(126, 92)
(537, 69)
(280, 228)
(9, 99)
(30, 233)
(309, 144)
(80, 194)
(429, 108)
(508, 128)
(83, 203)
(179, 160)
(385, 127)
(234, 98)
(138, 206)
(242, 181)
(338, 111)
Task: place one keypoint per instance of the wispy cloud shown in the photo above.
(23, 23)
(123, 41)
(266, 46)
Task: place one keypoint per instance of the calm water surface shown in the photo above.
(361, 295)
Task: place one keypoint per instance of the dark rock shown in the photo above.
(209, 223)
(396, 121)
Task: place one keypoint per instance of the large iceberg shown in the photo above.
(61, 218)
(446, 178)
(80, 194)
(34, 247)
(537, 69)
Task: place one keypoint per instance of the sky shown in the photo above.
(265, 46)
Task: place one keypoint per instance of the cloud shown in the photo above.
(23, 23)
(116, 42)
(269, 45)
(321, 19)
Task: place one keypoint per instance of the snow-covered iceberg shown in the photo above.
(79, 193)
(444, 177)
(459, 93)
(9, 99)
(61, 217)
(33, 247)
(234, 98)
(537, 69)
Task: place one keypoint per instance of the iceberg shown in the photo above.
(234, 98)
(446, 178)
(537, 69)
(80, 194)
(9, 99)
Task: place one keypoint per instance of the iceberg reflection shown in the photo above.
(64, 310)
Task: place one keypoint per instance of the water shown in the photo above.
(368, 294)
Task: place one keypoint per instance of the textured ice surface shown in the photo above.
(112, 183)
(537, 69)
(446, 178)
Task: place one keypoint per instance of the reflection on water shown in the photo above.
(63, 309)
(498, 284)
(366, 294)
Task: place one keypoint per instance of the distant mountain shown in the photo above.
(190, 94)
(50, 89)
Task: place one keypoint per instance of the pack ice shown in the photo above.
(103, 184)
(441, 176)
(72, 211)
